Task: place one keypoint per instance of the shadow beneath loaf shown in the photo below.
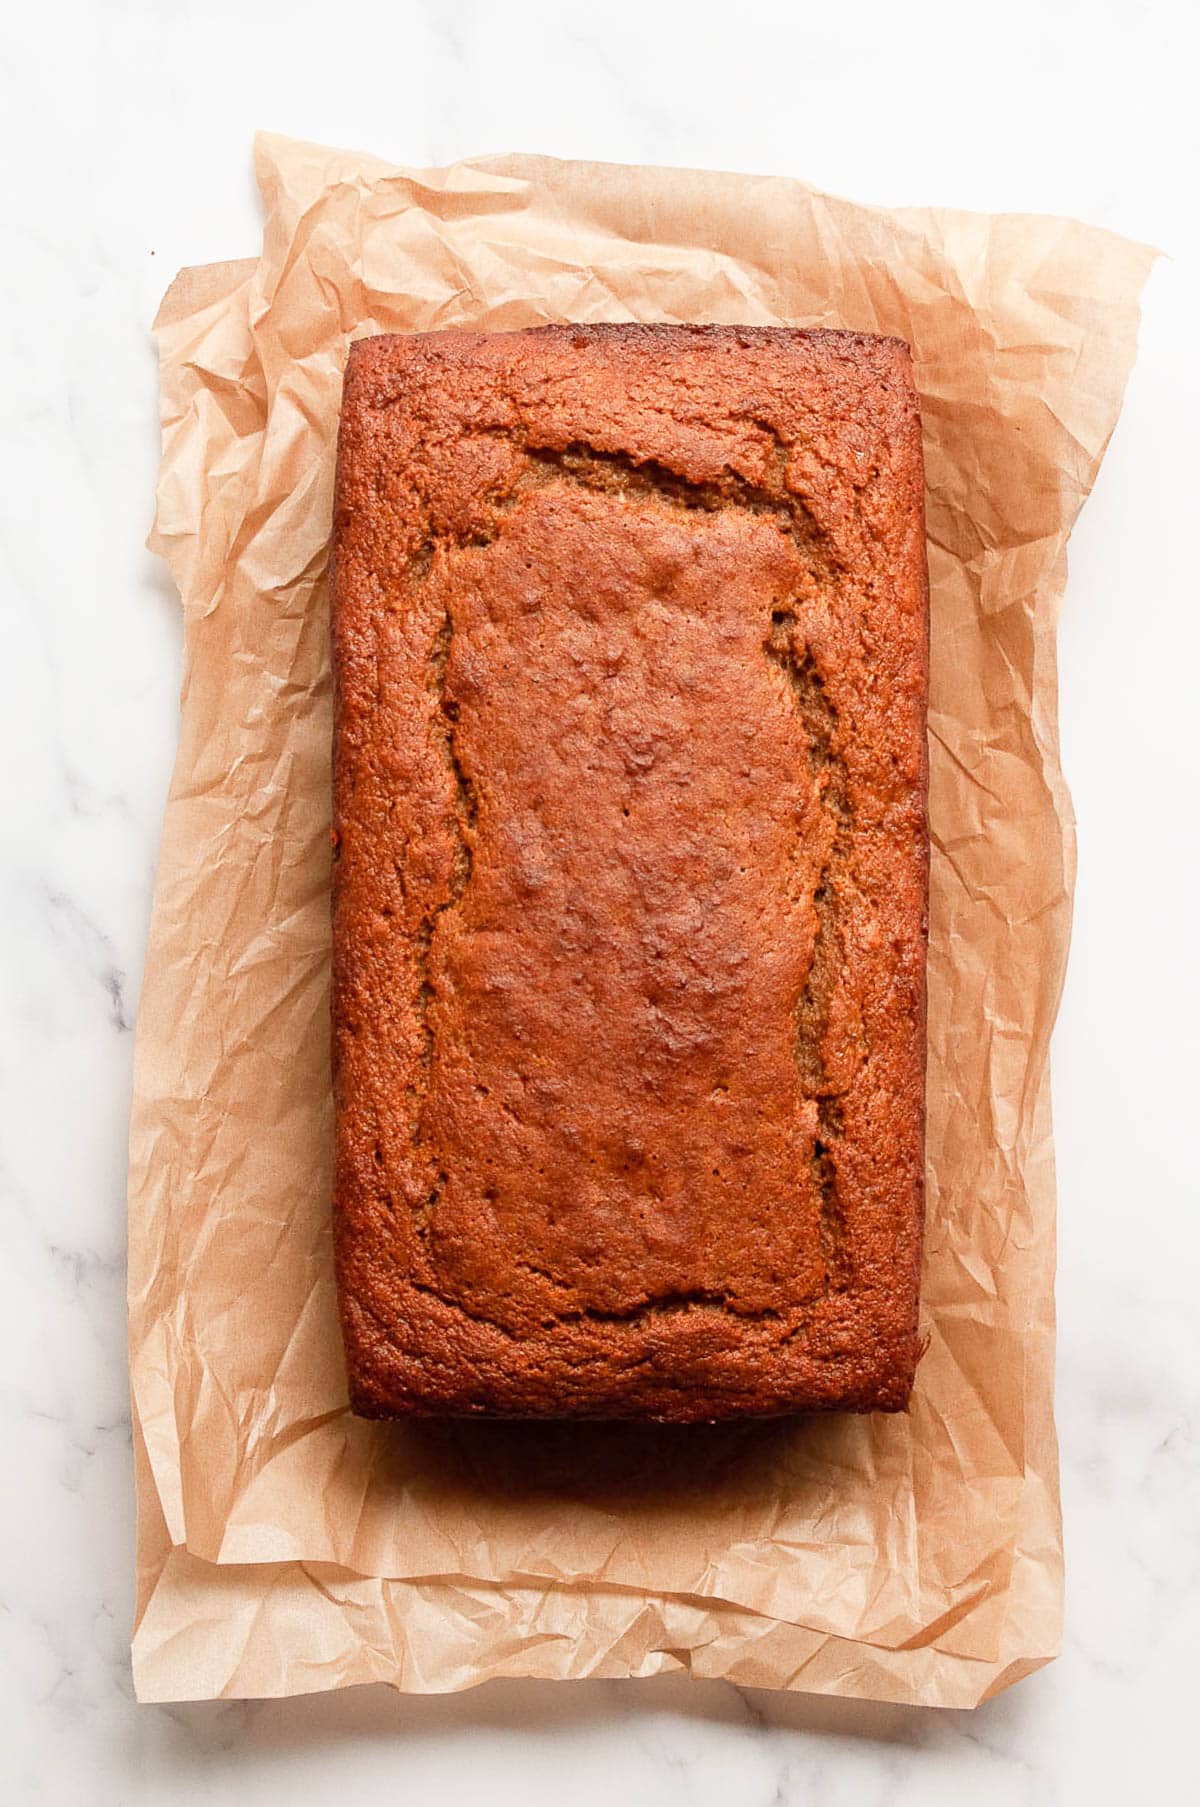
(608, 1463)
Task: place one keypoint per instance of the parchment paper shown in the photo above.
(285, 1546)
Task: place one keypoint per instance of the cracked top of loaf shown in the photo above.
(630, 872)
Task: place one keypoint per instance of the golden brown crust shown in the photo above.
(631, 653)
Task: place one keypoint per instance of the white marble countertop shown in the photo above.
(126, 128)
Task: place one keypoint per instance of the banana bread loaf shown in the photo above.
(630, 872)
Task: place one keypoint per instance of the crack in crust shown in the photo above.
(680, 1303)
(619, 474)
(463, 814)
(828, 771)
(622, 475)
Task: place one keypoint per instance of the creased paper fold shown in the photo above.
(285, 1546)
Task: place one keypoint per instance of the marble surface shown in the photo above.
(126, 130)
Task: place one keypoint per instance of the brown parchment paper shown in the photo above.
(285, 1546)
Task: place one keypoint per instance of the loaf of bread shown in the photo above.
(630, 857)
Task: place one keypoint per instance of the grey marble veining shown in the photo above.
(126, 131)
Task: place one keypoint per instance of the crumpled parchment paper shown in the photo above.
(285, 1546)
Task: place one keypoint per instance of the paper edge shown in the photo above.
(196, 287)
